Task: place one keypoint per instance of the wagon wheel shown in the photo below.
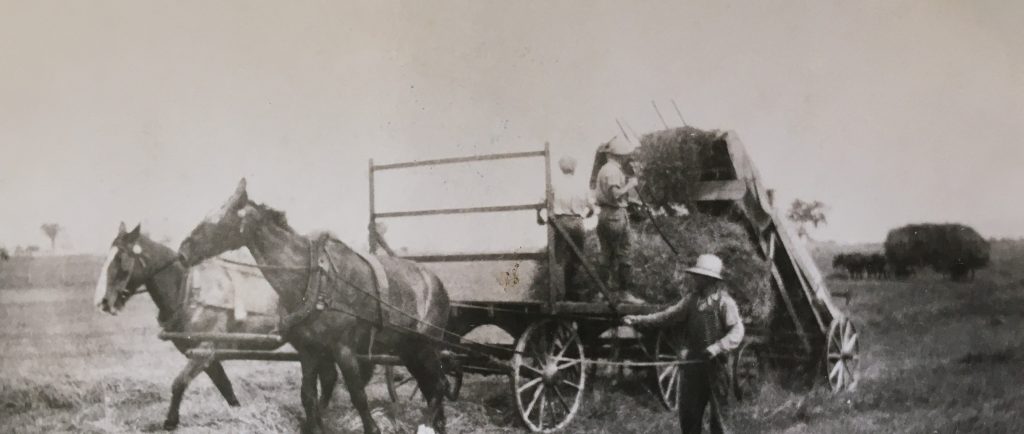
(666, 350)
(548, 375)
(842, 355)
(747, 370)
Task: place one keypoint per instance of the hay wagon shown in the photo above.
(547, 345)
(551, 342)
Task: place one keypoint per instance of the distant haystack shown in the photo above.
(954, 249)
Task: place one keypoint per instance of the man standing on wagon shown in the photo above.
(712, 328)
(572, 203)
(613, 188)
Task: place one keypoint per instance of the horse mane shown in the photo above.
(274, 216)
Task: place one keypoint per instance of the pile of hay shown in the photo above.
(671, 162)
(953, 249)
(659, 275)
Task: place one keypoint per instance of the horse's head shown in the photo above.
(121, 271)
(221, 231)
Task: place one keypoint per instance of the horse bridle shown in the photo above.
(139, 259)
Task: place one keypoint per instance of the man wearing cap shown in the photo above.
(612, 191)
(711, 329)
(572, 203)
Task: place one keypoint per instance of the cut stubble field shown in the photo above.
(937, 357)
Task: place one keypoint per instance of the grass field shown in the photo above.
(937, 357)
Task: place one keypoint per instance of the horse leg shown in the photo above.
(424, 364)
(220, 379)
(181, 382)
(350, 371)
(310, 363)
(328, 379)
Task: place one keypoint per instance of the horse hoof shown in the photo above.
(170, 425)
(234, 403)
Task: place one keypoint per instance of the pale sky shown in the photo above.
(889, 111)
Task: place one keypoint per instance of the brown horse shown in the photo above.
(138, 264)
(408, 321)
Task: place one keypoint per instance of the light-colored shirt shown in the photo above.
(571, 197)
(720, 299)
(609, 179)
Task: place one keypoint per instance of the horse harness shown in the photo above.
(321, 270)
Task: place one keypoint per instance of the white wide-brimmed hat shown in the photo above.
(620, 146)
(707, 265)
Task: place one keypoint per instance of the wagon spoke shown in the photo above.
(533, 401)
(530, 384)
(568, 344)
(668, 371)
(850, 345)
(835, 369)
(574, 385)
(540, 414)
(561, 399)
(834, 356)
(568, 364)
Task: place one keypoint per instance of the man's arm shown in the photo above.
(675, 313)
(734, 336)
(622, 188)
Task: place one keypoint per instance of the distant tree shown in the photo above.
(804, 213)
(51, 230)
(4, 255)
(31, 250)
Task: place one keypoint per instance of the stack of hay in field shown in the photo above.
(672, 163)
(954, 249)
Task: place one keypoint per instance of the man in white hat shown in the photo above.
(612, 196)
(572, 203)
(711, 329)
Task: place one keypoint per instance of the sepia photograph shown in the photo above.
(460, 216)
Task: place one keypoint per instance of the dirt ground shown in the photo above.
(937, 357)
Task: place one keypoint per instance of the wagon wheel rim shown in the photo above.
(669, 376)
(842, 355)
(549, 375)
(747, 371)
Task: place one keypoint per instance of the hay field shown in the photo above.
(938, 357)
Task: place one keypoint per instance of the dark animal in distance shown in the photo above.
(135, 264)
(861, 265)
(952, 249)
(345, 319)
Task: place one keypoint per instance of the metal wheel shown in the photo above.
(747, 370)
(842, 355)
(548, 375)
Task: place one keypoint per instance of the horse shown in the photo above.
(134, 264)
(349, 317)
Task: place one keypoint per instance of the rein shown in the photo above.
(150, 275)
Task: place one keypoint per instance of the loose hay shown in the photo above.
(672, 162)
(659, 275)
